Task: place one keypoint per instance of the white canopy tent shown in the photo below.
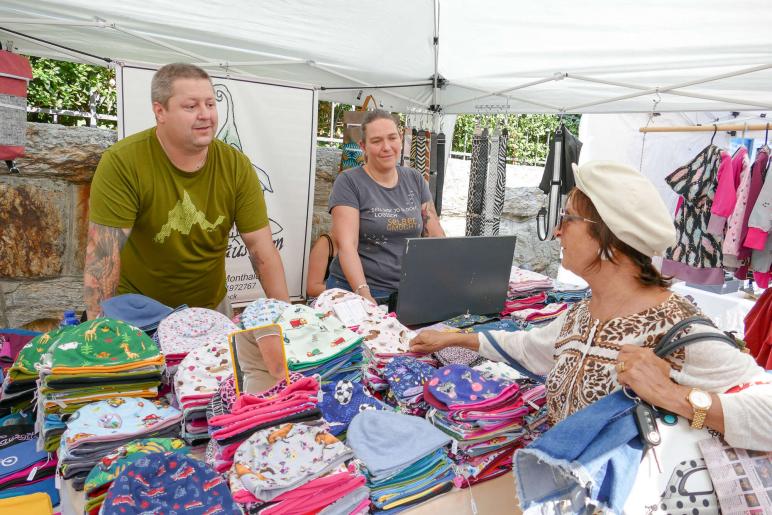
(495, 55)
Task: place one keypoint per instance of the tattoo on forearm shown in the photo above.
(102, 265)
(428, 213)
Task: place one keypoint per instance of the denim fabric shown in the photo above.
(588, 459)
(380, 296)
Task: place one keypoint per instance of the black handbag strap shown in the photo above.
(512, 362)
(667, 344)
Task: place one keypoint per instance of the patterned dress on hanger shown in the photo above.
(696, 256)
(477, 172)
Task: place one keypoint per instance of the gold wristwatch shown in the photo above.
(701, 402)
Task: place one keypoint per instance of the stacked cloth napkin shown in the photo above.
(20, 381)
(524, 283)
(383, 337)
(25, 470)
(232, 420)
(107, 469)
(189, 329)
(204, 367)
(563, 292)
(98, 428)
(316, 342)
(96, 360)
(341, 401)
(137, 310)
(485, 416)
(405, 458)
(406, 377)
(169, 482)
(294, 469)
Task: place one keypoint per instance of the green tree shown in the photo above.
(529, 134)
(65, 85)
(324, 118)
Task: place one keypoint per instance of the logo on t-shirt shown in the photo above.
(182, 217)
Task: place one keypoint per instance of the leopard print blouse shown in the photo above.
(586, 351)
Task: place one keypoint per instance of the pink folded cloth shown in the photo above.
(315, 495)
(247, 423)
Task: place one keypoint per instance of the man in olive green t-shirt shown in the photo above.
(163, 202)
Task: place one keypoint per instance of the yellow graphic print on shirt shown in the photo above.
(401, 224)
(183, 217)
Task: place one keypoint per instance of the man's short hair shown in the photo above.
(161, 85)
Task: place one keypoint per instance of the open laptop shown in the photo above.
(445, 277)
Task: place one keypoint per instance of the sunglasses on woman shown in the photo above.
(566, 217)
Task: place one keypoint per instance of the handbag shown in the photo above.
(673, 477)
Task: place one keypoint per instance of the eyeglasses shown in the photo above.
(566, 217)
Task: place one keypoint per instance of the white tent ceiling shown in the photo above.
(551, 56)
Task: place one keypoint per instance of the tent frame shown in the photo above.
(436, 81)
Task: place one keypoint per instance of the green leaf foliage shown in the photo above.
(65, 85)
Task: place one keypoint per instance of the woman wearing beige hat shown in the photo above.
(613, 223)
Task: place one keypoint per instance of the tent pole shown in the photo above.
(667, 89)
(77, 55)
(223, 64)
(669, 92)
(363, 83)
(709, 127)
(37, 21)
(436, 45)
(555, 77)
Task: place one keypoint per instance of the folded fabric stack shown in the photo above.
(107, 469)
(405, 458)
(535, 302)
(505, 324)
(169, 482)
(189, 329)
(137, 310)
(341, 401)
(457, 356)
(541, 315)
(98, 428)
(233, 419)
(486, 418)
(467, 320)
(201, 372)
(525, 283)
(20, 383)
(262, 312)
(11, 343)
(96, 360)
(563, 292)
(385, 339)
(25, 470)
(316, 342)
(406, 377)
(294, 469)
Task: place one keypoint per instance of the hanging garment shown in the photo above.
(757, 183)
(477, 172)
(407, 145)
(440, 172)
(497, 196)
(488, 219)
(732, 238)
(423, 153)
(726, 195)
(413, 147)
(558, 179)
(696, 256)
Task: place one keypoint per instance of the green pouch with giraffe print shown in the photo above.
(103, 344)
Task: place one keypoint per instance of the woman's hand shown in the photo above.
(645, 373)
(432, 341)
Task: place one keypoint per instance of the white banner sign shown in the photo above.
(275, 126)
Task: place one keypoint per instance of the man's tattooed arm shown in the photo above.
(102, 266)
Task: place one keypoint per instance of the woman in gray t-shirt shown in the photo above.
(375, 208)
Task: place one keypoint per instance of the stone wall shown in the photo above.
(519, 218)
(44, 222)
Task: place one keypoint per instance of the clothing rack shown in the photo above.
(710, 127)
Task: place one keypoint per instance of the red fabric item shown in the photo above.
(758, 330)
(15, 73)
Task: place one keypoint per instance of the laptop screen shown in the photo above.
(445, 277)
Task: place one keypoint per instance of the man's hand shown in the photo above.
(266, 262)
(102, 267)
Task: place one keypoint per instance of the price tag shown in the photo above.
(351, 313)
